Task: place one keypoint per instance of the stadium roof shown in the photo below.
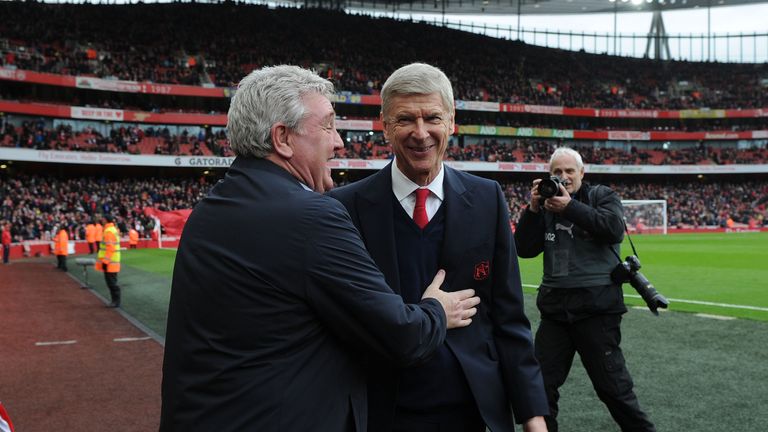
(525, 7)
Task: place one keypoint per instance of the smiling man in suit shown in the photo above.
(274, 299)
(416, 216)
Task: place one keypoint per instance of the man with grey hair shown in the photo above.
(579, 228)
(417, 215)
(274, 298)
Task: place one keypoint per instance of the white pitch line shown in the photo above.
(698, 302)
(131, 339)
(716, 317)
(66, 342)
(645, 308)
(706, 303)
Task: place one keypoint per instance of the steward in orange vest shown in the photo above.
(61, 249)
(99, 235)
(108, 260)
(133, 238)
(90, 237)
(6, 240)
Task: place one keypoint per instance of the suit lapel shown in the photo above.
(374, 205)
(458, 220)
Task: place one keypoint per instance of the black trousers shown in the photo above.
(597, 340)
(6, 254)
(114, 289)
(61, 262)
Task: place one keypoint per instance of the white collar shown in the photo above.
(402, 186)
(306, 188)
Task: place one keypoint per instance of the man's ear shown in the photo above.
(280, 136)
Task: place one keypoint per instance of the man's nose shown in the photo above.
(338, 142)
(420, 129)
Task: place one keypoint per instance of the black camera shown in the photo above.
(627, 271)
(550, 187)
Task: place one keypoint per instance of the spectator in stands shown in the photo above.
(415, 216)
(273, 290)
(580, 230)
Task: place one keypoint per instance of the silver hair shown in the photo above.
(561, 151)
(267, 96)
(417, 78)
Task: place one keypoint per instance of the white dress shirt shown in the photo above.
(404, 188)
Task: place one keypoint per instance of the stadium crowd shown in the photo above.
(689, 204)
(203, 44)
(538, 150)
(120, 139)
(36, 205)
(159, 140)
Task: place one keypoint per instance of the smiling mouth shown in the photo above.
(421, 149)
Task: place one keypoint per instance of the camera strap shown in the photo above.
(591, 196)
(634, 251)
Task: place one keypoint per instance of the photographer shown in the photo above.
(580, 229)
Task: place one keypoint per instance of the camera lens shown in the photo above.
(549, 188)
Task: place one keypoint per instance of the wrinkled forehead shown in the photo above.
(565, 162)
(415, 102)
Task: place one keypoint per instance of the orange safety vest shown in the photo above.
(109, 253)
(61, 243)
(99, 232)
(133, 237)
(90, 233)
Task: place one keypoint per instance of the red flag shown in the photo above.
(173, 221)
(5, 421)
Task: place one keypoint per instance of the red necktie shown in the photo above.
(420, 210)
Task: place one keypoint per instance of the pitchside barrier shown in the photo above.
(39, 248)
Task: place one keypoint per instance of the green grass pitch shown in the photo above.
(699, 270)
(691, 373)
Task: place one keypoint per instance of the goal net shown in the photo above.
(646, 216)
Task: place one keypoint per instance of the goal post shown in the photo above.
(645, 216)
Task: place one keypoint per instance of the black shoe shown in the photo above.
(113, 304)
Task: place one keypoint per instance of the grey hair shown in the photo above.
(267, 96)
(417, 78)
(562, 151)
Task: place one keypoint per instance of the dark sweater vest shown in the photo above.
(438, 385)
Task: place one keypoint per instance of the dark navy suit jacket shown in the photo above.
(274, 300)
(496, 350)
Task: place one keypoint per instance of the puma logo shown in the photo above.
(562, 227)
